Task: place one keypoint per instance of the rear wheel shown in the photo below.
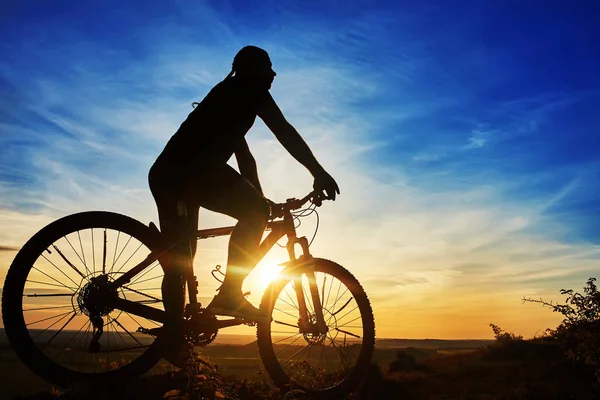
(50, 303)
(325, 365)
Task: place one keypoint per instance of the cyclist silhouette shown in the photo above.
(192, 170)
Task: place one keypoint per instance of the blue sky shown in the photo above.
(462, 134)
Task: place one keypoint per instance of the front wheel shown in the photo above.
(327, 364)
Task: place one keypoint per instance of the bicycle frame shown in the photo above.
(277, 229)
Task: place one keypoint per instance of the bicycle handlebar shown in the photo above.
(315, 197)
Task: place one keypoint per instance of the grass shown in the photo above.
(519, 370)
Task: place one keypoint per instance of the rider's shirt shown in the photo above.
(212, 132)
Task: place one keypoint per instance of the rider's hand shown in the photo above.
(324, 182)
(275, 209)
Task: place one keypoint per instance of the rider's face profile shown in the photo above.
(261, 74)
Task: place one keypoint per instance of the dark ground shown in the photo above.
(528, 370)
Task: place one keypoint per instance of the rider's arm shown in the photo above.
(287, 135)
(247, 164)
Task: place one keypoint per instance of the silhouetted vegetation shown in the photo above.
(562, 363)
(578, 333)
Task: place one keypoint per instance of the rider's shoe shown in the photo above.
(234, 304)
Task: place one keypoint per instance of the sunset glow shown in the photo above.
(463, 139)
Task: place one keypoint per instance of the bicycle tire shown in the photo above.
(265, 343)
(13, 295)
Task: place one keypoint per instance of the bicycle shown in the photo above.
(66, 269)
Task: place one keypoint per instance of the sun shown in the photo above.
(267, 273)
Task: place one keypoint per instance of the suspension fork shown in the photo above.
(306, 261)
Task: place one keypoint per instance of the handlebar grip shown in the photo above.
(316, 200)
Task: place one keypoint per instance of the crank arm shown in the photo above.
(225, 323)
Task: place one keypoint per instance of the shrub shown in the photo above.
(403, 362)
(579, 329)
(502, 337)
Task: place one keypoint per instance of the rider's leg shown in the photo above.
(180, 258)
(172, 224)
(240, 200)
(245, 204)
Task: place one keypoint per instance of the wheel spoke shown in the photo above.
(122, 250)
(329, 292)
(291, 305)
(285, 323)
(72, 337)
(60, 270)
(46, 319)
(104, 254)
(82, 252)
(337, 351)
(349, 322)
(129, 333)
(285, 312)
(126, 261)
(112, 265)
(136, 282)
(338, 298)
(50, 294)
(296, 353)
(69, 263)
(55, 280)
(286, 338)
(294, 341)
(78, 256)
(148, 269)
(290, 297)
(50, 326)
(344, 316)
(342, 307)
(347, 333)
(120, 336)
(93, 250)
(323, 290)
(47, 308)
(61, 329)
(52, 284)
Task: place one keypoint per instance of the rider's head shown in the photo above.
(253, 64)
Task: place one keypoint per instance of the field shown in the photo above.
(407, 369)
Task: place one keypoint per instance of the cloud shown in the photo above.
(477, 139)
(8, 248)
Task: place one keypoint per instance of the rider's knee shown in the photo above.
(259, 211)
(265, 210)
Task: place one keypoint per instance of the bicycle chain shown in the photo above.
(143, 294)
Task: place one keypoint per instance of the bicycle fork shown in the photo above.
(306, 320)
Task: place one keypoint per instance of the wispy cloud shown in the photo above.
(8, 248)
